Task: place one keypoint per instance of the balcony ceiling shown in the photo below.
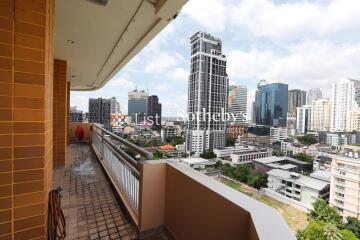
(97, 40)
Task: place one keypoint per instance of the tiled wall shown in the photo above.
(26, 93)
(61, 109)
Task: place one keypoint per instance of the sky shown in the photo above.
(305, 44)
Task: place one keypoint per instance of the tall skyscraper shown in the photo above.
(353, 121)
(357, 90)
(313, 94)
(271, 104)
(99, 111)
(297, 98)
(114, 105)
(75, 115)
(253, 112)
(137, 105)
(320, 115)
(343, 101)
(154, 110)
(303, 117)
(237, 103)
(207, 94)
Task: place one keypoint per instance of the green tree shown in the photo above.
(303, 157)
(307, 139)
(314, 231)
(228, 170)
(208, 154)
(175, 140)
(353, 225)
(331, 232)
(218, 164)
(230, 141)
(348, 235)
(325, 213)
(157, 155)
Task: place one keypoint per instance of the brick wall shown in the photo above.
(60, 112)
(26, 93)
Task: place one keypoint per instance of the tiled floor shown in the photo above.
(90, 206)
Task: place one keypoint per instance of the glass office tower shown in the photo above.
(271, 104)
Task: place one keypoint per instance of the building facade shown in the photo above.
(75, 115)
(297, 98)
(343, 101)
(271, 104)
(313, 94)
(207, 94)
(237, 103)
(353, 121)
(345, 186)
(154, 111)
(170, 131)
(247, 156)
(278, 134)
(137, 105)
(298, 187)
(114, 106)
(320, 115)
(99, 111)
(303, 117)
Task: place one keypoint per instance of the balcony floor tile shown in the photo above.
(90, 206)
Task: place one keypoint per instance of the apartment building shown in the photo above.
(353, 120)
(207, 94)
(298, 187)
(320, 116)
(303, 119)
(343, 101)
(247, 156)
(345, 185)
(99, 111)
(278, 134)
(169, 131)
(237, 103)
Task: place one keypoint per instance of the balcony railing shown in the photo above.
(122, 168)
(186, 203)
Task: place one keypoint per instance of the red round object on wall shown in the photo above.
(79, 132)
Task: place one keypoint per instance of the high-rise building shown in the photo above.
(75, 115)
(114, 106)
(320, 115)
(253, 112)
(343, 101)
(137, 105)
(313, 94)
(278, 134)
(297, 98)
(207, 94)
(357, 90)
(154, 110)
(353, 121)
(237, 103)
(99, 111)
(345, 185)
(303, 117)
(271, 104)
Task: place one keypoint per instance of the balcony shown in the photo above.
(107, 193)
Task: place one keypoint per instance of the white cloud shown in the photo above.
(180, 74)
(122, 82)
(210, 14)
(305, 65)
(294, 20)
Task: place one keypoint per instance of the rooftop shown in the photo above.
(300, 179)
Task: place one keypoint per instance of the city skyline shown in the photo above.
(285, 52)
